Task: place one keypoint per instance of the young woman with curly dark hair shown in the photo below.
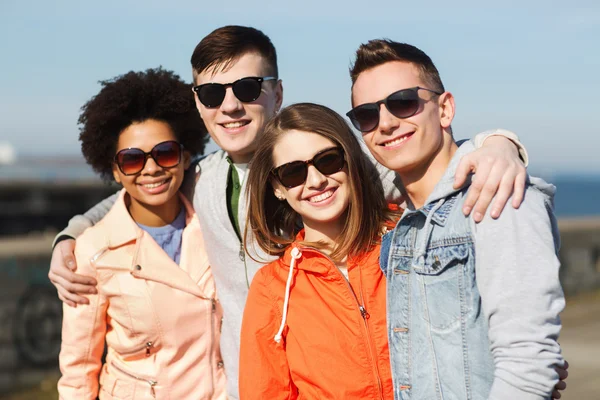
(155, 305)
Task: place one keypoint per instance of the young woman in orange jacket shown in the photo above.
(155, 306)
(314, 325)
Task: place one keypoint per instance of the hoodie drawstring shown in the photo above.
(296, 254)
(422, 249)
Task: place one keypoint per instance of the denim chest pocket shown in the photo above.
(446, 281)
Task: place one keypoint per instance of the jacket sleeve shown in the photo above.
(517, 275)
(392, 185)
(264, 371)
(80, 223)
(83, 333)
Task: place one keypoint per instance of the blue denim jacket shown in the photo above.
(441, 301)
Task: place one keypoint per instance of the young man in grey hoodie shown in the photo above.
(473, 309)
(237, 91)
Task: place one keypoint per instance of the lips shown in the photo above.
(396, 141)
(234, 124)
(155, 187)
(322, 196)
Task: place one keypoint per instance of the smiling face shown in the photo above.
(407, 145)
(322, 200)
(235, 125)
(154, 189)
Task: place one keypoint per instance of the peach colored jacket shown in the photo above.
(161, 322)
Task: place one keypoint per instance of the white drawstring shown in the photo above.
(296, 254)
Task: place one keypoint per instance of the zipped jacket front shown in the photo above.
(160, 320)
(332, 341)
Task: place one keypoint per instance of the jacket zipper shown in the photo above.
(150, 382)
(371, 344)
(364, 314)
(212, 345)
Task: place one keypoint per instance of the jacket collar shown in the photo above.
(149, 261)
(314, 260)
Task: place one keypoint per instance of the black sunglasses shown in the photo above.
(327, 162)
(245, 89)
(165, 154)
(402, 104)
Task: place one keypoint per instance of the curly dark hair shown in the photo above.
(136, 97)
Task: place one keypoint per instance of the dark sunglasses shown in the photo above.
(165, 154)
(402, 104)
(245, 89)
(327, 162)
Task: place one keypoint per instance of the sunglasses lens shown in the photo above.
(167, 154)
(292, 174)
(247, 89)
(403, 104)
(365, 118)
(329, 162)
(211, 94)
(131, 161)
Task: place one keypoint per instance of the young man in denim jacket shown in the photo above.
(473, 309)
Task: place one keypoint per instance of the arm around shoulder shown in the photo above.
(79, 223)
(517, 275)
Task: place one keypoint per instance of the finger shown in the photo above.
(504, 192)
(556, 394)
(489, 188)
(67, 296)
(465, 167)
(519, 188)
(66, 301)
(566, 365)
(561, 385)
(475, 190)
(67, 248)
(562, 373)
(69, 277)
(74, 288)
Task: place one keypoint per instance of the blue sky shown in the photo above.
(528, 66)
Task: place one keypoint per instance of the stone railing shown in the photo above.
(580, 254)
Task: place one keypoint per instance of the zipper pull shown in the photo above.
(148, 348)
(363, 312)
(242, 253)
(152, 391)
(214, 305)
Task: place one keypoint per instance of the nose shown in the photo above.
(388, 122)
(151, 167)
(230, 102)
(314, 178)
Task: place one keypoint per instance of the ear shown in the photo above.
(277, 191)
(278, 95)
(116, 175)
(198, 104)
(447, 109)
(187, 159)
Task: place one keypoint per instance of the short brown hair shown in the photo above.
(221, 48)
(380, 51)
(275, 224)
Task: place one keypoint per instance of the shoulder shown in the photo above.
(209, 161)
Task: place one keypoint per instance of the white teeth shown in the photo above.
(237, 124)
(396, 141)
(321, 197)
(153, 185)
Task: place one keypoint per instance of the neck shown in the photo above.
(155, 216)
(241, 158)
(419, 182)
(326, 233)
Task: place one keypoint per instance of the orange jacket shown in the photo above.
(160, 320)
(333, 342)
